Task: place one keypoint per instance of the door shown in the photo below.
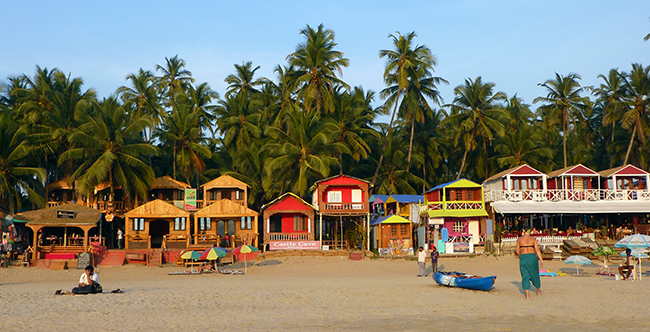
(157, 229)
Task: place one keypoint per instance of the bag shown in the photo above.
(97, 288)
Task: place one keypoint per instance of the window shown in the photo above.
(404, 229)
(532, 183)
(459, 227)
(138, 224)
(334, 197)
(246, 223)
(299, 223)
(238, 194)
(393, 230)
(179, 224)
(470, 195)
(275, 224)
(459, 195)
(204, 224)
(356, 196)
(213, 195)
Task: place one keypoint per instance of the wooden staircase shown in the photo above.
(155, 258)
(112, 258)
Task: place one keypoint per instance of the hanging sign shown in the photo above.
(190, 199)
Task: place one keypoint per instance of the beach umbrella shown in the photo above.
(212, 254)
(634, 241)
(244, 249)
(191, 254)
(577, 260)
(603, 251)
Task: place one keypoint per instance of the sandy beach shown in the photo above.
(322, 294)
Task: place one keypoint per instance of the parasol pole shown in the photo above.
(245, 266)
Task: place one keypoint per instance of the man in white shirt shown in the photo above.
(422, 262)
(120, 238)
(88, 282)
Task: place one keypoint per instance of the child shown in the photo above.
(434, 259)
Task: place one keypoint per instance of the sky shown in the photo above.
(514, 44)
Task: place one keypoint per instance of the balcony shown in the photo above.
(345, 207)
(289, 237)
(556, 195)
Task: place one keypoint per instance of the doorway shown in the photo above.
(157, 229)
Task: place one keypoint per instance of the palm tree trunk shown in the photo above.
(462, 164)
(564, 140)
(383, 148)
(487, 157)
(408, 166)
(174, 161)
(629, 147)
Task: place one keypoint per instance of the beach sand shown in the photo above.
(322, 294)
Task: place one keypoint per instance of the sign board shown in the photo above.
(436, 221)
(65, 214)
(293, 245)
(190, 199)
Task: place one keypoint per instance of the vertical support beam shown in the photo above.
(320, 234)
(368, 231)
(86, 239)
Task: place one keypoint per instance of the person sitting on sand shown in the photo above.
(88, 282)
(529, 255)
(626, 270)
(207, 267)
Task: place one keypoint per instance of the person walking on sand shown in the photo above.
(422, 262)
(529, 256)
(434, 259)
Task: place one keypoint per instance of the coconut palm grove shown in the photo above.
(281, 134)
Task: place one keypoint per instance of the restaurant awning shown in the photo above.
(571, 207)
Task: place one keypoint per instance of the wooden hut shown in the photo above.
(157, 224)
(225, 187)
(169, 190)
(225, 219)
(60, 192)
(289, 223)
(57, 224)
(394, 235)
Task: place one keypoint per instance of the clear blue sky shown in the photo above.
(515, 44)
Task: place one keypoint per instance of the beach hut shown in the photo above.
(516, 184)
(457, 206)
(378, 205)
(169, 190)
(626, 182)
(57, 224)
(394, 235)
(342, 201)
(289, 223)
(225, 187)
(60, 192)
(157, 224)
(575, 183)
(225, 219)
(407, 206)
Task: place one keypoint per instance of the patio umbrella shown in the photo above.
(212, 254)
(244, 249)
(603, 251)
(191, 254)
(634, 241)
(577, 260)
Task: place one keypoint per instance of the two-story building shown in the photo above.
(342, 205)
(459, 208)
(289, 224)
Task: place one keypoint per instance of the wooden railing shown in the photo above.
(555, 195)
(345, 207)
(289, 236)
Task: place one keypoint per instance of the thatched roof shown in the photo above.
(60, 184)
(225, 208)
(157, 209)
(225, 181)
(82, 215)
(166, 182)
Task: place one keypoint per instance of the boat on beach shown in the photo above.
(463, 280)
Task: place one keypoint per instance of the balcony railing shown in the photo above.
(344, 207)
(452, 205)
(289, 236)
(555, 195)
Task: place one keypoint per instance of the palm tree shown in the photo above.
(16, 176)
(522, 146)
(199, 99)
(316, 62)
(243, 79)
(238, 119)
(174, 79)
(475, 112)
(182, 130)
(142, 98)
(563, 101)
(302, 156)
(394, 178)
(112, 150)
(610, 96)
(404, 65)
(637, 99)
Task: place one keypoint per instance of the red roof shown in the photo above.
(629, 170)
(521, 170)
(288, 201)
(573, 170)
(342, 179)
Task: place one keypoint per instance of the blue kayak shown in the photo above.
(463, 280)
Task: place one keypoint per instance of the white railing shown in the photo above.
(555, 195)
(544, 239)
(464, 206)
(289, 236)
(343, 206)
